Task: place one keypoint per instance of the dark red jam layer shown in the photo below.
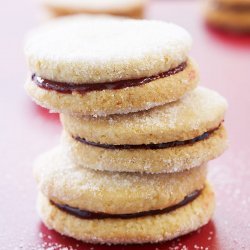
(83, 214)
(67, 88)
(148, 146)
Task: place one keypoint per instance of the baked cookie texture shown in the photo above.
(168, 160)
(109, 192)
(196, 113)
(62, 50)
(126, 231)
(65, 51)
(122, 101)
(127, 8)
(199, 112)
(137, 132)
(229, 15)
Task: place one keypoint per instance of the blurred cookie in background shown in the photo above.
(229, 15)
(127, 8)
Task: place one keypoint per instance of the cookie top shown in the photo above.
(199, 111)
(95, 5)
(110, 192)
(87, 49)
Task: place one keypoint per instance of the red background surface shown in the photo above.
(27, 130)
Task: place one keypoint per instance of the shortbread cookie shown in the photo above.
(170, 138)
(230, 15)
(109, 192)
(164, 160)
(136, 66)
(128, 8)
(144, 229)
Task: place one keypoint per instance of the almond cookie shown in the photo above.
(230, 15)
(128, 8)
(170, 138)
(194, 212)
(109, 192)
(137, 65)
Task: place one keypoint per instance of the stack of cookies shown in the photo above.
(131, 167)
(230, 15)
(127, 8)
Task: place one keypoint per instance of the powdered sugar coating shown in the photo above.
(84, 49)
(197, 112)
(112, 192)
(119, 101)
(168, 160)
(140, 230)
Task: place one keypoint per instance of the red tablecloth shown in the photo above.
(27, 130)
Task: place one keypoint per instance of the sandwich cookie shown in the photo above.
(155, 228)
(171, 138)
(137, 65)
(128, 8)
(230, 15)
(65, 183)
(136, 208)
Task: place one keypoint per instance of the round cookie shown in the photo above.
(168, 160)
(198, 115)
(122, 101)
(124, 231)
(109, 192)
(129, 8)
(62, 50)
(230, 15)
(144, 66)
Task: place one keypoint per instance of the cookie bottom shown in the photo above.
(148, 229)
(119, 101)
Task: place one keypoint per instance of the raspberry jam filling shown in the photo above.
(67, 88)
(204, 136)
(83, 214)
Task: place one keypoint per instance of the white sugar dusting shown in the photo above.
(142, 48)
(228, 178)
(45, 242)
(69, 183)
(194, 111)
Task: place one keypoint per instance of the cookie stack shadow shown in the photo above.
(138, 132)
